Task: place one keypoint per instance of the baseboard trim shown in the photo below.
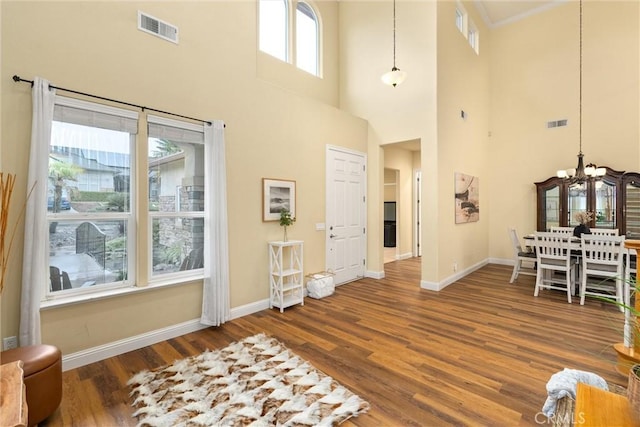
(438, 286)
(405, 256)
(374, 274)
(101, 352)
(502, 261)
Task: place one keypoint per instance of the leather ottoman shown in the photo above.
(42, 378)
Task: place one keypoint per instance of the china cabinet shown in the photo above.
(614, 200)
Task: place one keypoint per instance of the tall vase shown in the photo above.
(285, 234)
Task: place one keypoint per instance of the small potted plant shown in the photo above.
(286, 220)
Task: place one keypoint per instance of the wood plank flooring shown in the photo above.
(479, 352)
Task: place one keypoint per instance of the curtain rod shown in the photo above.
(17, 79)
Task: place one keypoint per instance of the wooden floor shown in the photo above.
(477, 353)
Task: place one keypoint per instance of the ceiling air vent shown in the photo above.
(556, 123)
(151, 25)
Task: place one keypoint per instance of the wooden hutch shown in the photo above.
(614, 199)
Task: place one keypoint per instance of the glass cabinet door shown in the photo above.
(632, 208)
(577, 202)
(605, 208)
(552, 208)
(550, 203)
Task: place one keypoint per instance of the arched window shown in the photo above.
(307, 45)
(277, 33)
(274, 28)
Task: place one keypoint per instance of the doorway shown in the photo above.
(402, 175)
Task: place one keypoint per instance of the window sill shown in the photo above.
(112, 293)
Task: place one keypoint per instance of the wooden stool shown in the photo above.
(42, 365)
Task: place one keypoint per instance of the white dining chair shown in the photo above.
(525, 261)
(604, 231)
(602, 273)
(553, 256)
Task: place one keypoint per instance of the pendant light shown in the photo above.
(581, 173)
(395, 76)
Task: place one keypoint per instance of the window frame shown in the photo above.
(97, 112)
(193, 274)
(313, 15)
(473, 36)
(286, 41)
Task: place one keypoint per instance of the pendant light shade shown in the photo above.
(395, 76)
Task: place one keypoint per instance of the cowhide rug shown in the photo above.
(256, 381)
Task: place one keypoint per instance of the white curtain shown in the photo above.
(215, 298)
(35, 262)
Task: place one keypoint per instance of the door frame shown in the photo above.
(335, 148)
(417, 211)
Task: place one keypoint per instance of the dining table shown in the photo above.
(575, 244)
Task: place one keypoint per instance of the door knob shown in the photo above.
(331, 236)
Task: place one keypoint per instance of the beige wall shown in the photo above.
(463, 85)
(534, 79)
(273, 130)
(403, 113)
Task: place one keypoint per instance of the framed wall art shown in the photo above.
(277, 194)
(467, 198)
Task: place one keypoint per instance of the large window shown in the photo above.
(276, 33)
(92, 203)
(89, 211)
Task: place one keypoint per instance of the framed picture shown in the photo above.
(467, 198)
(277, 194)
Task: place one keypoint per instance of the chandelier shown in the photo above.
(395, 76)
(581, 173)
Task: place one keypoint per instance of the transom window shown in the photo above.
(274, 27)
(306, 38)
(276, 33)
(467, 28)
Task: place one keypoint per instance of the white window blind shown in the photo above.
(83, 113)
(173, 130)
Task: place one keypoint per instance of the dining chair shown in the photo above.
(602, 273)
(604, 231)
(553, 256)
(564, 230)
(525, 261)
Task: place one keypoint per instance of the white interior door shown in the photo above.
(346, 214)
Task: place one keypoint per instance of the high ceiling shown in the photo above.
(496, 13)
(501, 12)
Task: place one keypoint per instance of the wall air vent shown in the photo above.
(556, 123)
(151, 25)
